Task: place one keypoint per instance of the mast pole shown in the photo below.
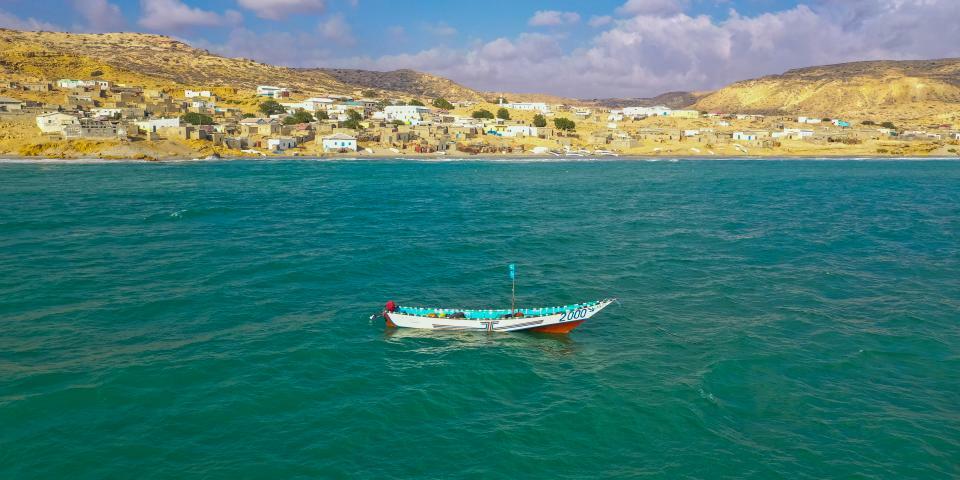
(513, 298)
(513, 289)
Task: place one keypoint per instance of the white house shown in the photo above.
(956, 136)
(281, 143)
(316, 104)
(746, 136)
(272, 92)
(808, 120)
(520, 131)
(528, 106)
(405, 113)
(155, 124)
(582, 112)
(339, 142)
(658, 111)
(615, 116)
(55, 122)
(797, 133)
(106, 112)
(684, 113)
(69, 83)
(197, 93)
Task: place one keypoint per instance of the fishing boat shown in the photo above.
(560, 319)
(548, 320)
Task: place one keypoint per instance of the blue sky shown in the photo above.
(566, 47)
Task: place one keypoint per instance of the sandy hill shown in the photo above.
(675, 100)
(411, 82)
(894, 89)
(149, 59)
(156, 60)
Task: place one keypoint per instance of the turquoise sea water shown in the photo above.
(779, 319)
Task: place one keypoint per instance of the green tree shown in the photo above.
(564, 124)
(868, 122)
(322, 115)
(96, 73)
(272, 107)
(249, 115)
(416, 103)
(539, 121)
(442, 104)
(398, 122)
(354, 120)
(503, 114)
(369, 93)
(194, 118)
(482, 113)
(889, 125)
(300, 116)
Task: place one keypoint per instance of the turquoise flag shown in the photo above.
(513, 271)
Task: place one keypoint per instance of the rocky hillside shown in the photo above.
(675, 100)
(151, 59)
(896, 89)
(406, 81)
(156, 60)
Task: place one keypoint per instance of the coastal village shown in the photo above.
(97, 117)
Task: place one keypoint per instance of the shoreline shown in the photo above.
(13, 159)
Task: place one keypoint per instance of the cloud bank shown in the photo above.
(639, 48)
(653, 46)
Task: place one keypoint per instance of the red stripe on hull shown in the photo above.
(558, 327)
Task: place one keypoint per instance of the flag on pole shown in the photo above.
(513, 271)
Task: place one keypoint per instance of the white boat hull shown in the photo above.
(562, 322)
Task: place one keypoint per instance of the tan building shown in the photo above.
(259, 126)
(38, 86)
(8, 104)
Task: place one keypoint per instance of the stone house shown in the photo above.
(8, 104)
(37, 86)
(259, 126)
(90, 129)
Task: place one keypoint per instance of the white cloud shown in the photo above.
(652, 7)
(9, 20)
(551, 18)
(600, 21)
(174, 15)
(659, 51)
(337, 29)
(279, 9)
(100, 15)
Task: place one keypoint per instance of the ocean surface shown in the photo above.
(778, 319)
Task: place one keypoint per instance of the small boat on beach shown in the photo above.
(561, 319)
